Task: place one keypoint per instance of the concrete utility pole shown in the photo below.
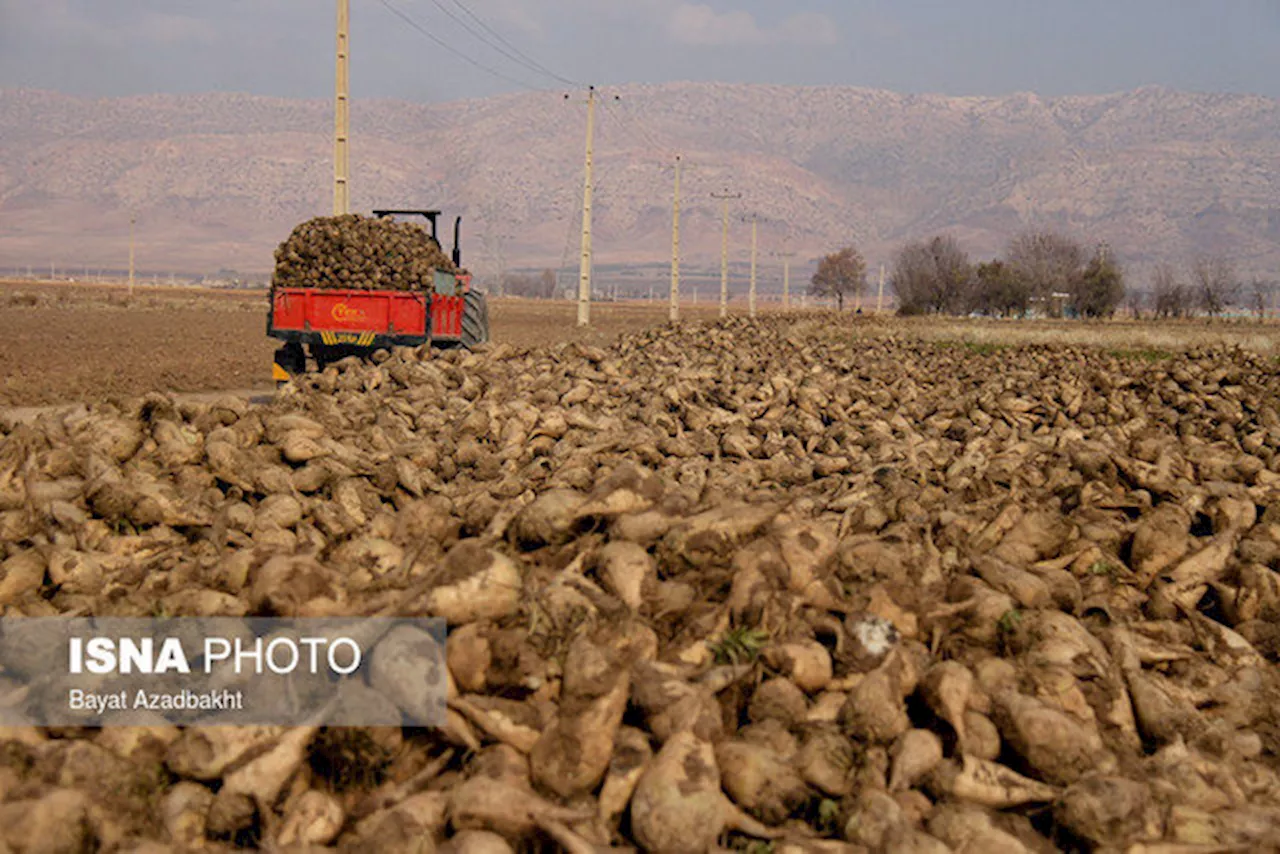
(786, 276)
(584, 269)
(724, 252)
(342, 115)
(496, 246)
(751, 296)
(675, 249)
(132, 220)
(880, 294)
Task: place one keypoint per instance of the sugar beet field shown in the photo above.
(801, 584)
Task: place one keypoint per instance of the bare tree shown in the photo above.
(1213, 279)
(547, 284)
(1259, 295)
(1047, 262)
(933, 276)
(1170, 298)
(1135, 300)
(840, 273)
(542, 286)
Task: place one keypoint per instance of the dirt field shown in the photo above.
(63, 343)
(67, 343)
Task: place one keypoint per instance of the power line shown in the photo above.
(637, 126)
(486, 42)
(424, 31)
(531, 62)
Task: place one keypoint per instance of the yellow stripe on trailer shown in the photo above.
(278, 373)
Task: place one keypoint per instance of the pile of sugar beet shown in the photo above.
(777, 586)
(361, 253)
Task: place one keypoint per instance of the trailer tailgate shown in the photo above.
(381, 313)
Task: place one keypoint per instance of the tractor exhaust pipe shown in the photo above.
(457, 250)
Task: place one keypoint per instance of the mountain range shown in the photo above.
(219, 180)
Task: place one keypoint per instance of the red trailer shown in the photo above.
(328, 324)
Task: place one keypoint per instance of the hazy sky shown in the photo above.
(960, 47)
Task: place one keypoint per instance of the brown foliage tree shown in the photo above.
(840, 273)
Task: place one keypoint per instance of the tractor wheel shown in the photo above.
(475, 319)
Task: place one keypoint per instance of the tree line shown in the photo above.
(1042, 271)
(542, 286)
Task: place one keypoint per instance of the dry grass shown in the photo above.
(1149, 341)
(80, 295)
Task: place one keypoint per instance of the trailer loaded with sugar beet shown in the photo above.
(351, 285)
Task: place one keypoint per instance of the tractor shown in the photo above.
(325, 325)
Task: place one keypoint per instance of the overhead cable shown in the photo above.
(442, 43)
(525, 59)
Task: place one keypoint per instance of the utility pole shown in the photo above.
(880, 294)
(786, 276)
(342, 116)
(751, 295)
(584, 269)
(724, 251)
(675, 249)
(132, 220)
(496, 246)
